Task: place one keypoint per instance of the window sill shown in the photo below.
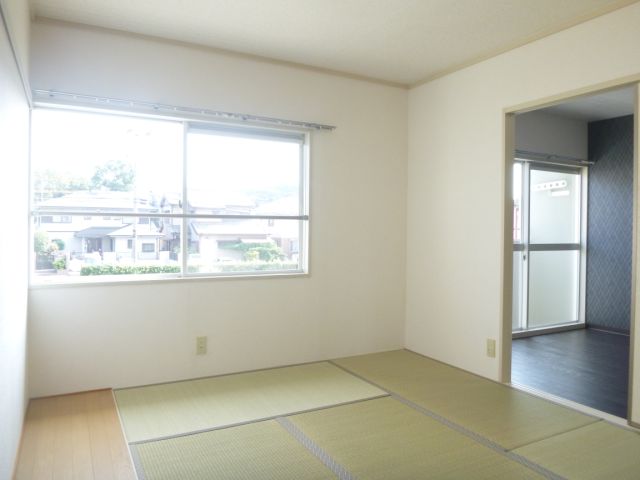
(160, 279)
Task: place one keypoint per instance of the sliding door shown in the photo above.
(634, 360)
(547, 246)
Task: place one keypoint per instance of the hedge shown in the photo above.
(246, 267)
(257, 266)
(220, 267)
(127, 269)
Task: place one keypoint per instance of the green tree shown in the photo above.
(115, 175)
(41, 243)
(50, 184)
(60, 263)
(59, 243)
(266, 251)
(44, 249)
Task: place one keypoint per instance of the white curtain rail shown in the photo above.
(74, 99)
(552, 159)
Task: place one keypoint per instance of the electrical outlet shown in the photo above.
(491, 347)
(201, 345)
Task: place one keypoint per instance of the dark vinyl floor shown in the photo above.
(587, 366)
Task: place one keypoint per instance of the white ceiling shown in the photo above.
(399, 41)
(612, 104)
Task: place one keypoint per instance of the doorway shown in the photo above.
(572, 294)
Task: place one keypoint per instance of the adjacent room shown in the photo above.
(573, 228)
(277, 239)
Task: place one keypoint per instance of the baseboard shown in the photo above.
(548, 330)
(72, 393)
(14, 470)
(612, 331)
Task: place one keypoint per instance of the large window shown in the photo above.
(122, 195)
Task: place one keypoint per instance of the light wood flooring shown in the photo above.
(74, 437)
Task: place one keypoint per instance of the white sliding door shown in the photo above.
(634, 367)
(547, 246)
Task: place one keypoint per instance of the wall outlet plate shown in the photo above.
(201, 345)
(491, 348)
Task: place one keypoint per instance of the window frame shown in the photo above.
(246, 130)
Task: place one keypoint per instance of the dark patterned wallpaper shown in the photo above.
(609, 231)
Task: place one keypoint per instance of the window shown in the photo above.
(55, 219)
(172, 198)
(148, 247)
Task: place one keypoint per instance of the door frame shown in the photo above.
(508, 141)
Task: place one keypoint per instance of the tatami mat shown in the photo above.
(502, 414)
(261, 450)
(384, 439)
(597, 451)
(159, 411)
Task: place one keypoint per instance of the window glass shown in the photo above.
(554, 207)
(148, 247)
(108, 198)
(242, 175)
(83, 161)
(243, 245)
(91, 248)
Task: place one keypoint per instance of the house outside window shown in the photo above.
(170, 198)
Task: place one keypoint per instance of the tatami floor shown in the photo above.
(380, 416)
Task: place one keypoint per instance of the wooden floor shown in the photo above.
(74, 437)
(587, 366)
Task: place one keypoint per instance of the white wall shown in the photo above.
(456, 179)
(14, 142)
(542, 132)
(352, 302)
(19, 24)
